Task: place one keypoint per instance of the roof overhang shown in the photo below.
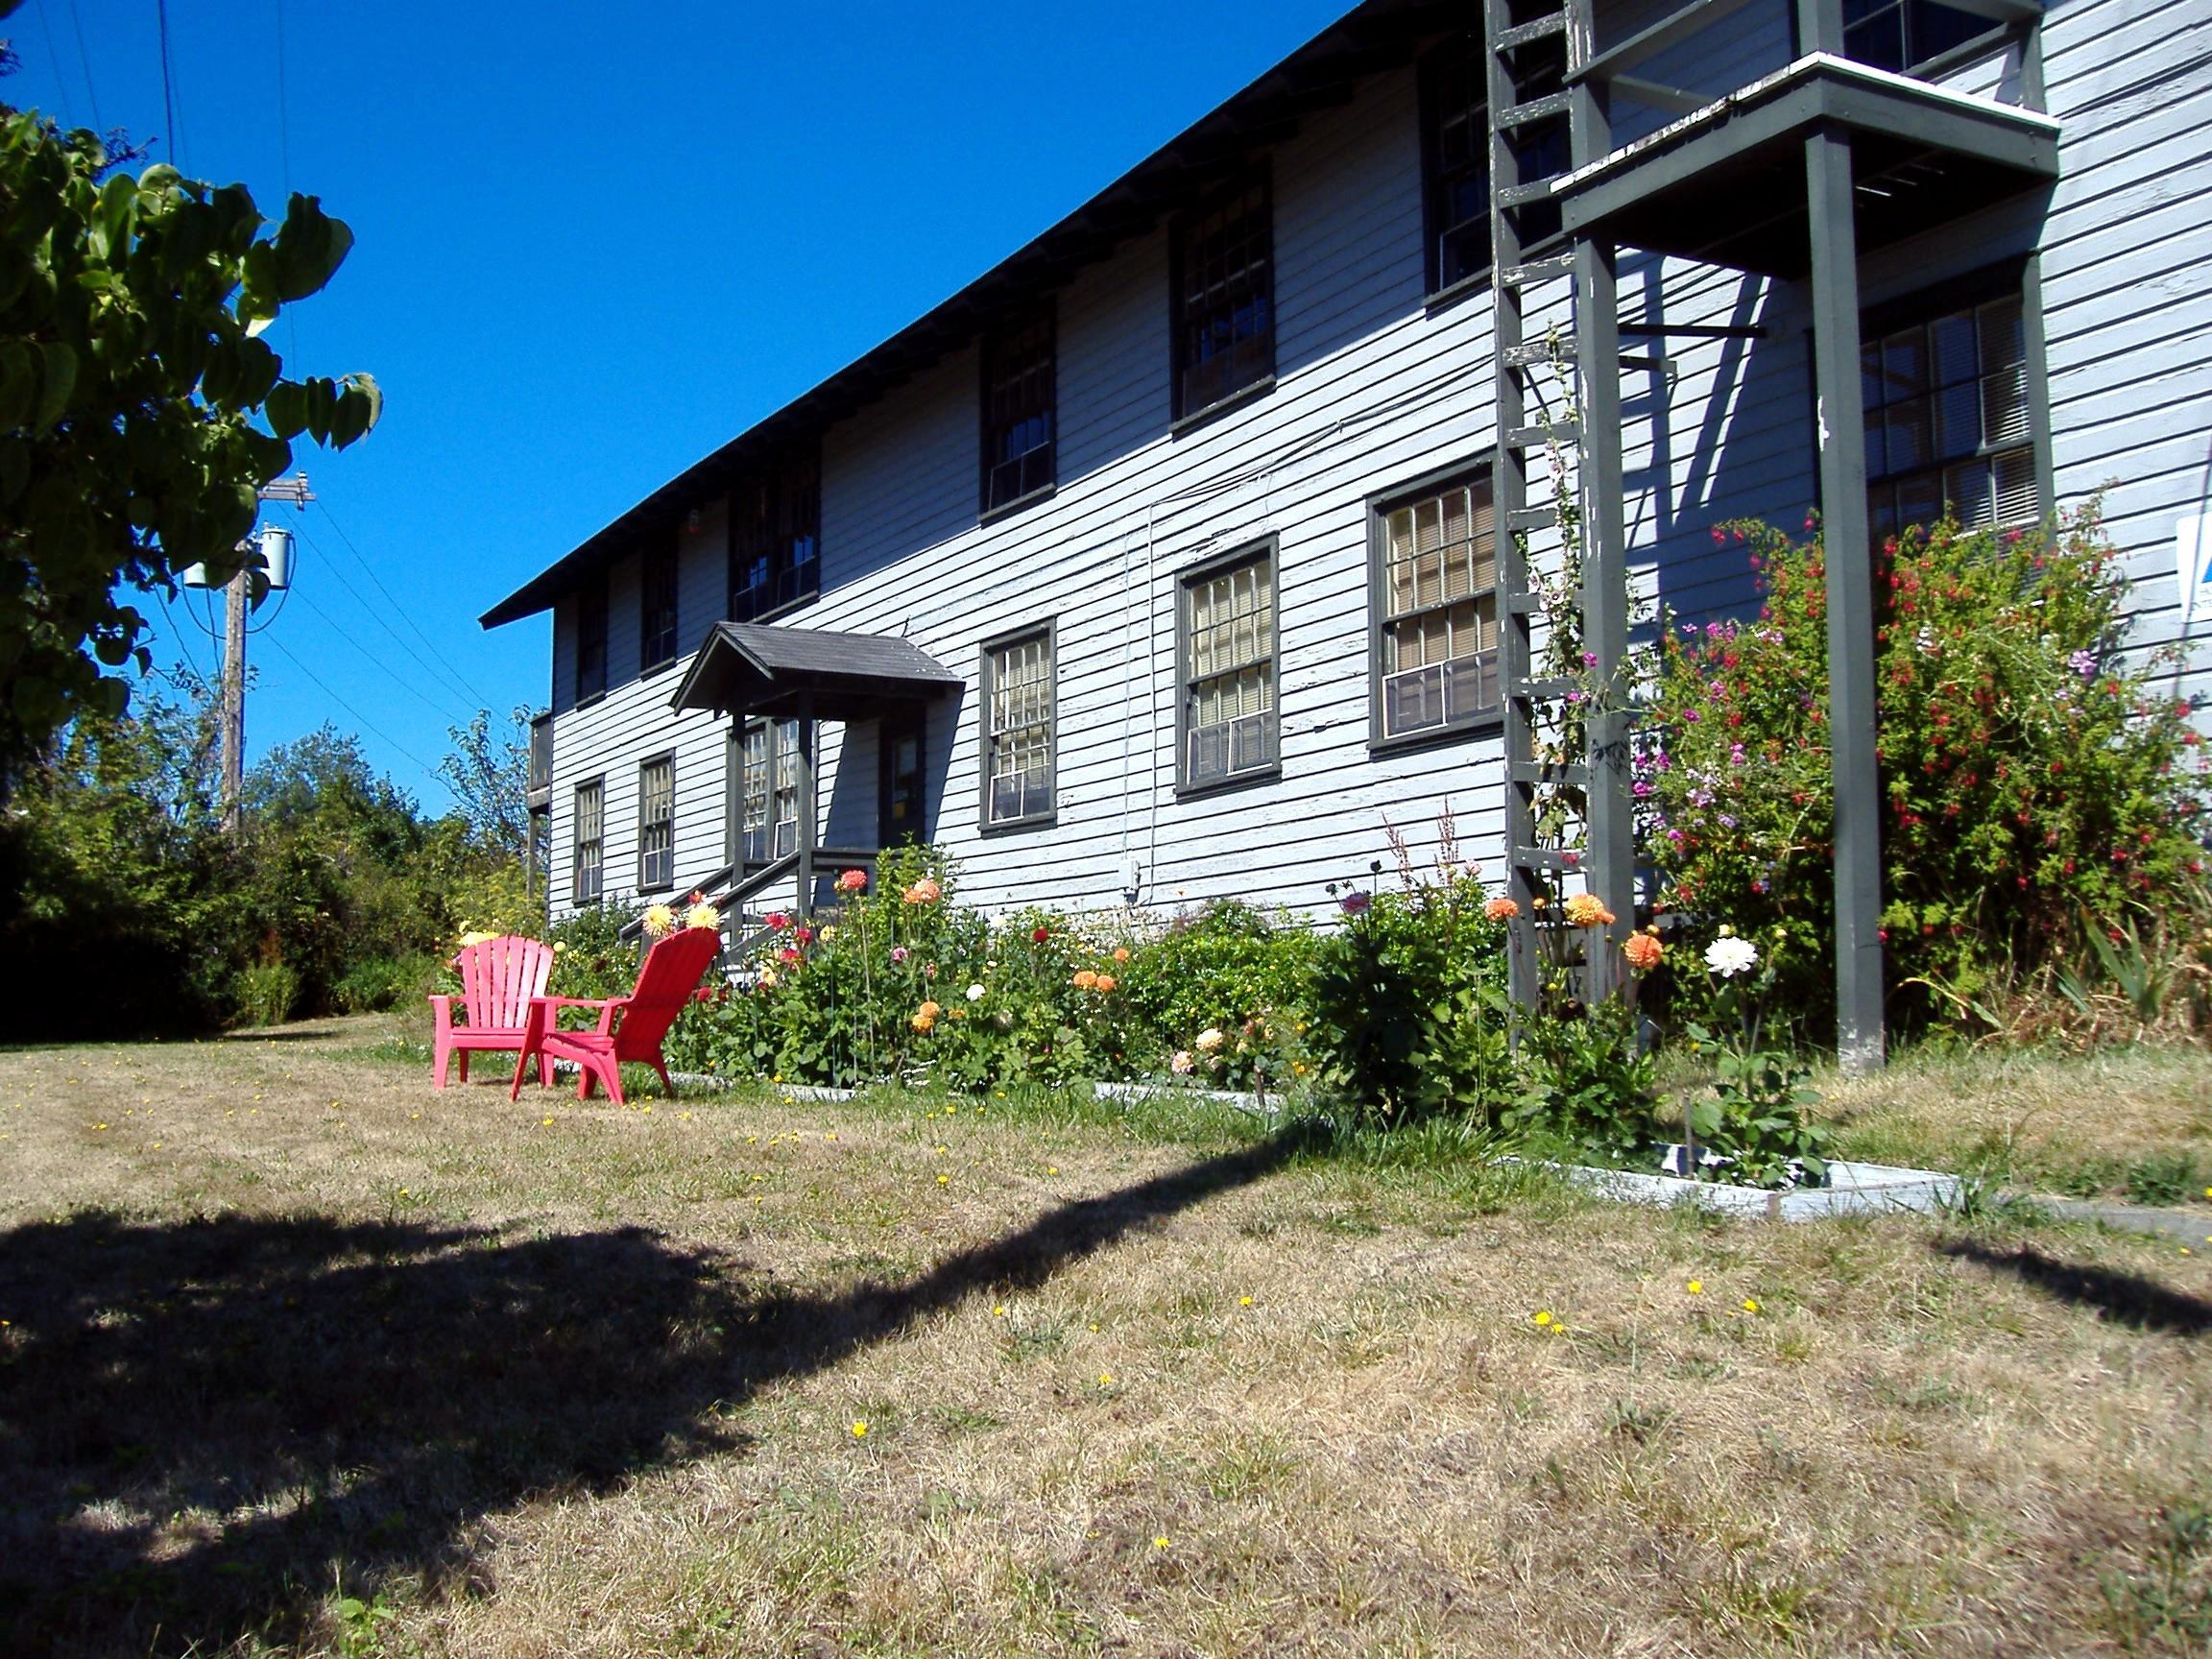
(1726, 185)
(752, 669)
(1374, 36)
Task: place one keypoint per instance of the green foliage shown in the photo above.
(378, 983)
(1406, 1019)
(1757, 1118)
(2167, 1601)
(2035, 780)
(267, 993)
(1227, 968)
(1587, 1087)
(141, 408)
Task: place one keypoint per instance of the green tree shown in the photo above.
(140, 410)
(488, 773)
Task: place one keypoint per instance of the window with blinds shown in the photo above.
(1018, 731)
(656, 823)
(1229, 714)
(590, 841)
(1224, 299)
(1438, 609)
(1018, 411)
(769, 790)
(1949, 423)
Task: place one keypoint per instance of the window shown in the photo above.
(1456, 142)
(899, 781)
(591, 640)
(1227, 660)
(1949, 421)
(1437, 569)
(1019, 414)
(656, 823)
(1224, 288)
(1018, 707)
(1902, 34)
(657, 609)
(776, 539)
(769, 824)
(590, 840)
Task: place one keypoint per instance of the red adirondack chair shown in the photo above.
(630, 1027)
(498, 978)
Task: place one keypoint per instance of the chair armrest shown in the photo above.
(607, 1005)
(442, 1009)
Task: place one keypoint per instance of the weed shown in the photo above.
(2168, 1602)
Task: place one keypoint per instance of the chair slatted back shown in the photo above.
(672, 972)
(498, 978)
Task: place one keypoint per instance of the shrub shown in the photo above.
(1227, 968)
(267, 992)
(381, 982)
(2034, 780)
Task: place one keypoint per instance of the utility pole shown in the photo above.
(237, 597)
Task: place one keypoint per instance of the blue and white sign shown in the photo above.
(2193, 565)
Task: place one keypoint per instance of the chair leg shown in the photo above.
(523, 1064)
(668, 1088)
(464, 1065)
(438, 1060)
(614, 1079)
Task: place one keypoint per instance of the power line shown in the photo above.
(468, 689)
(450, 681)
(84, 57)
(60, 86)
(429, 769)
(400, 680)
(284, 163)
(168, 85)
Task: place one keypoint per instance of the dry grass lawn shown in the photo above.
(301, 1356)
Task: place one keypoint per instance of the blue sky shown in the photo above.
(591, 247)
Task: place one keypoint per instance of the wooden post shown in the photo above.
(232, 701)
(1846, 543)
(809, 820)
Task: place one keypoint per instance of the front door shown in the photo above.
(899, 782)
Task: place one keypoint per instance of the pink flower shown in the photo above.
(1354, 903)
(924, 892)
(899, 952)
(805, 935)
(853, 882)
(788, 954)
(1040, 934)
(776, 920)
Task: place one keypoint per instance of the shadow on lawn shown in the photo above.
(2125, 1298)
(367, 1393)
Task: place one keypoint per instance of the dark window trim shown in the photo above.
(598, 894)
(778, 475)
(1049, 629)
(1185, 425)
(1485, 722)
(657, 645)
(666, 757)
(733, 796)
(1429, 73)
(1261, 175)
(986, 364)
(735, 833)
(2016, 274)
(595, 593)
(1204, 568)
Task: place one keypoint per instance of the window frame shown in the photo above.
(659, 613)
(890, 730)
(1187, 580)
(1992, 36)
(1485, 721)
(989, 369)
(591, 629)
(987, 678)
(645, 825)
(790, 486)
(1258, 178)
(1435, 64)
(2019, 277)
(740, 857)
(577, 843)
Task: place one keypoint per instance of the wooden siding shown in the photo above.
(1375, 390)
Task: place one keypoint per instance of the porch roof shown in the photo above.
(755, 669)
(1726, 183)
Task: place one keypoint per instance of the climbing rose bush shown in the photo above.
(2032, 775)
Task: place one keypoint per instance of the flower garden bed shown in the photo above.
(1851, 1189)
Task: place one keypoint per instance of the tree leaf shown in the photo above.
(286, 407)
(58, 378)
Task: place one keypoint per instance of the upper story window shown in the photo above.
(1436, 609)
(590, 841)
(656, 823)
(1950, 423)
(592, 639)
(1019, 414)
(1227, 640)
(1018, 707)
(776, 538)
(1456, 153)
(1224, 287)
(657, 609)
(1903, 34)
(768, 791)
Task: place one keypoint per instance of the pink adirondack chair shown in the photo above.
(630, 1027)
(498, 978)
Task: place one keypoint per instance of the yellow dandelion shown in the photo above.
(860, 1429)
(1542, 1318)
(1052, 1168)
(944, 1180)
(547, 1122)
(1750, 1305)
(1697, 1287)
(831, 1136)
(1243, 1301)
(999, 1311)
(1105, 1378)
(1161, 1541)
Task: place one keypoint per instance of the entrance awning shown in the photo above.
(752, 669)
